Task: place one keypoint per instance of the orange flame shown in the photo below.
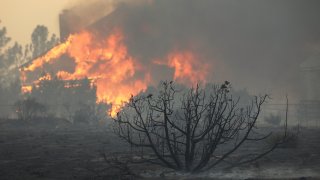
(46, 77)
(26, 89)
(106, 61)
(113, 69)
(188, 67)
(54, 53)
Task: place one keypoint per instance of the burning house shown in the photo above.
(65, 98)
(131, 47)
(90, 71)
(62, 98)
(99, 51)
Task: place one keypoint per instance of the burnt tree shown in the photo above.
(192, 130)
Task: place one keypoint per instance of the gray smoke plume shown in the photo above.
(253, 44)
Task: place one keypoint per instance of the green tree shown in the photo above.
(3, 37)
(40, 42)
(9, 73)
(4, 40)
(10, 59)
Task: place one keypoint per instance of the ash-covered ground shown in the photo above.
(59, 150)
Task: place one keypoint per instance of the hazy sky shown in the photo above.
(21, 16)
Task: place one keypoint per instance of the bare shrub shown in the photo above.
(192, 130)
(291, 140)
(29, 108)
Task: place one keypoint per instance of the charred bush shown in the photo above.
(191, 130)
(29, 109)
(291, 140)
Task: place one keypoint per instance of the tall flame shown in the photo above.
(54, 53)
(106, 61)
(112, 68)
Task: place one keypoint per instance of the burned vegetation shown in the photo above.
(193, 130)
(88, 104)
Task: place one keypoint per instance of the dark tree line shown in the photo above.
(12, 56)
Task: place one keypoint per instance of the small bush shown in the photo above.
(29, 109)
(85, 115)
(290, 141)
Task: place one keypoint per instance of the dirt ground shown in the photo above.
(76, 152)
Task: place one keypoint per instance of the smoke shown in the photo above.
(253, 44)
(80, 14)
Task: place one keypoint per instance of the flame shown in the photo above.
(54, 53)
(116, 74)
(26, 89)
(188, 67)
(106, 61)
(46, 77)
